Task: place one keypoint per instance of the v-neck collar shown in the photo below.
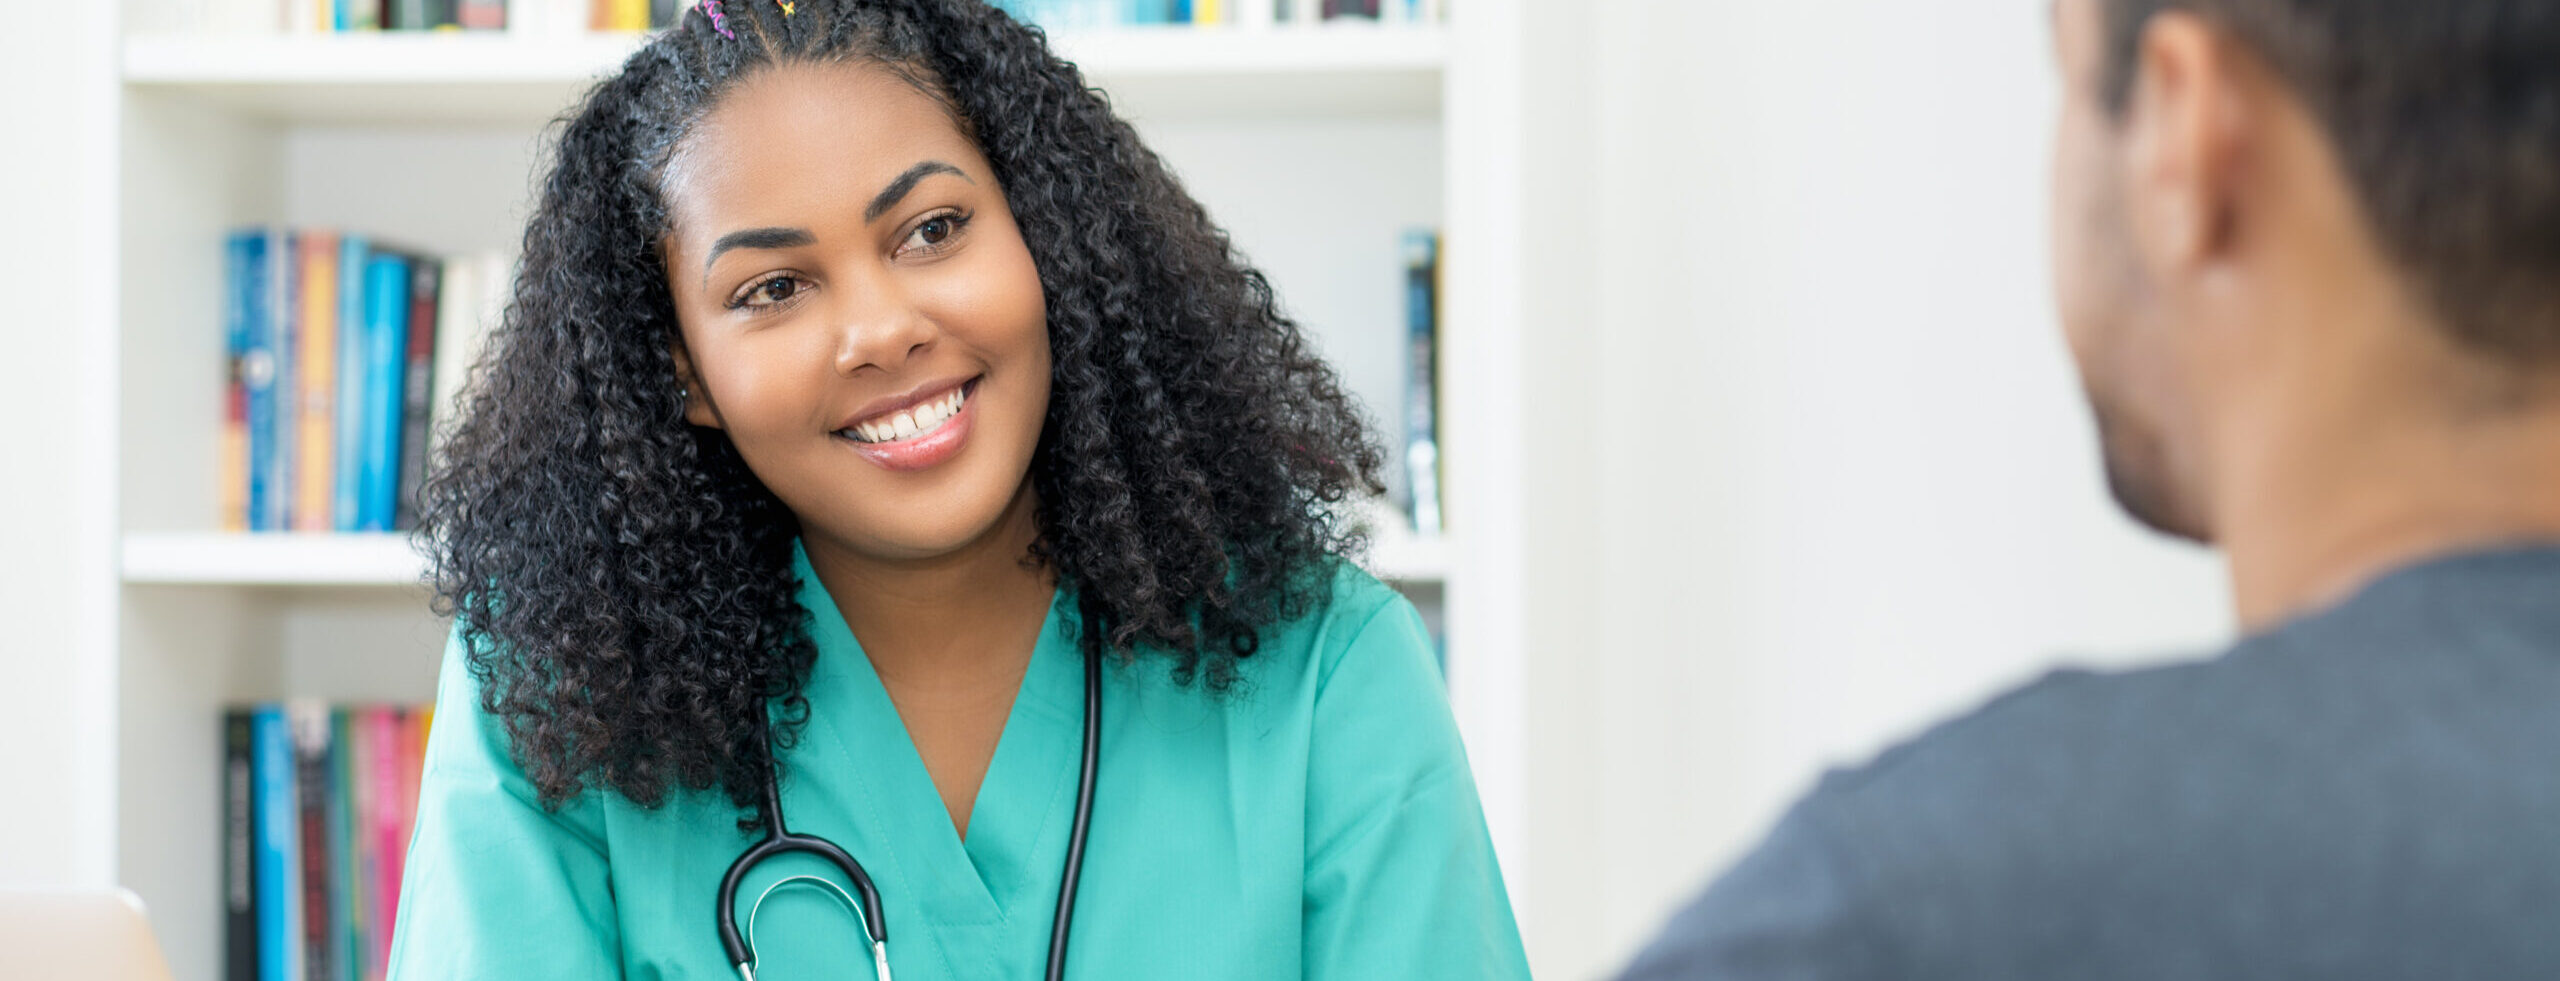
(1022, 803)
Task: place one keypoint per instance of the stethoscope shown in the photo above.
(875, 928)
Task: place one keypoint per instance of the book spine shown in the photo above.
(355, 355)
(258, 373)
(387, 301)
(1422, 434)
(383, 839)
(239, 846)
(444, 14)
(239, 288)
(347, 805)
(631, 15)
(312, 791)
(1254, 13)
(285, 252)
(279, 871)
(417, 389)
(407, 15)
(315, 457)
(482, 15)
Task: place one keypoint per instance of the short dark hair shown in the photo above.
(2446, 117)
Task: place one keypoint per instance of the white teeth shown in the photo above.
(912, 422)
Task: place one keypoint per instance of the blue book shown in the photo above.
(387, 298)
(278, 847)
(355, 351)
(239, 272)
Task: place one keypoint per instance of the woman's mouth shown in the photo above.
(919, 436)
(912, 422)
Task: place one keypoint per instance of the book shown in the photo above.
(475, 296)
(346, 875)
(310, 724)
(481, 15)
(316, 357)
(388, 300)
(355, 353)
(1422, 389)
(273, 384)
(239, 275)
(417, 389)
(389, 811)
(239, 846)
(279, 848)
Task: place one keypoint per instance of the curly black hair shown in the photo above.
(624, 583)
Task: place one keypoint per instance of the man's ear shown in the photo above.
(2188, 143)
(698, 409)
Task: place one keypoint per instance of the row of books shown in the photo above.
(342, 356)
(318, 805)
(546, 16)
(1079, 14)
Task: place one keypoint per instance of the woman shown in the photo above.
(874, 412)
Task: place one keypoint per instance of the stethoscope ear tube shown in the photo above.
(1058, 928)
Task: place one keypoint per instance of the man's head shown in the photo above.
(2307, 202)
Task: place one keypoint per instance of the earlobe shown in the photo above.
(698, 409)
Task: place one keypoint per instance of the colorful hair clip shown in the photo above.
(719, 20)
(787, 6)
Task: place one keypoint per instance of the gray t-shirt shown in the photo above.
(2372, 791)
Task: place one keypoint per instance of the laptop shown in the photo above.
(77, 935)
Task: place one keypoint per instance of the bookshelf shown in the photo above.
(1315, 145)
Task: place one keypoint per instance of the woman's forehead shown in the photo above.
(799, 136)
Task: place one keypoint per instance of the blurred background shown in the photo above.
(1726, 323)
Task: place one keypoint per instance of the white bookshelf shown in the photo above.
(1315, 146)
(1331, 70)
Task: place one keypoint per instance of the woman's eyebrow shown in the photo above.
(755, 238)
(897, 189)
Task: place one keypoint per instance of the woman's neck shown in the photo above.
(956, 621)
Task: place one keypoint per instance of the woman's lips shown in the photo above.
(925, 450)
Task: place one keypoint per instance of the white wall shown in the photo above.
(1836, 482)
(53, 828)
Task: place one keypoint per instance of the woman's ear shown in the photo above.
(698, 409)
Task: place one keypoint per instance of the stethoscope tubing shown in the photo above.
(1066, 915)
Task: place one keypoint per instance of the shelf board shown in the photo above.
(216, 559)
(431, 78)
(223, 559)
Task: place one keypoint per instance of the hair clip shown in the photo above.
(719, 22)
(787, 6)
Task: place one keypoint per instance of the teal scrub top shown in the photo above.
(1318, 822)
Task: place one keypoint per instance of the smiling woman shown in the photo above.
(872, 411)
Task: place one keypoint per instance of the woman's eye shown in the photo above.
(777, 290)
(936, 231)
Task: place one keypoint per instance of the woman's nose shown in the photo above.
(880, 329)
